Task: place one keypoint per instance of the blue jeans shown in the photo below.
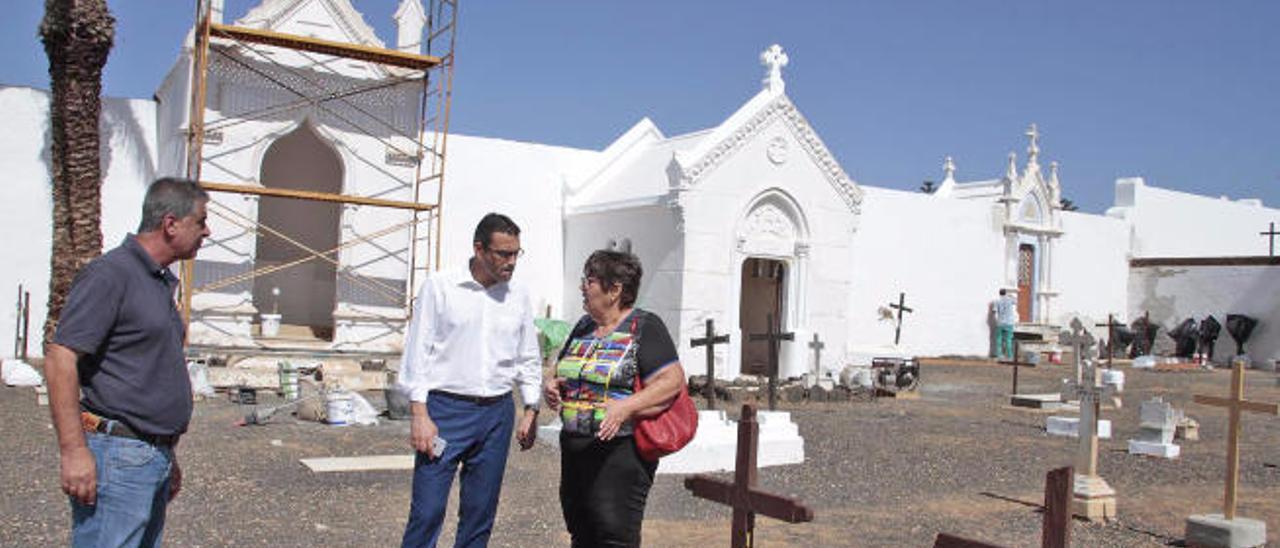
(133, 491)
(1004, 341)
(478, 437)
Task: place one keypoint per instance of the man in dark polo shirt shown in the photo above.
(118, 386)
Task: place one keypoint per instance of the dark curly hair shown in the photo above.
(616, 267)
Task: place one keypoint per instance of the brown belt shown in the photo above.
(111, 427)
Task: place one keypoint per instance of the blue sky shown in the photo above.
(1185, 93)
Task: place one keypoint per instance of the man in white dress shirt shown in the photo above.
(470, 341)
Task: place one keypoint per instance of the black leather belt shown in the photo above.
(478, 400)
(112, 427)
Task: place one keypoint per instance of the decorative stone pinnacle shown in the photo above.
(1011, 172)
(949, 168)
(774, 59)
(1033, 149)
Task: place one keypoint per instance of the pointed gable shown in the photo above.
(335, 20)
(748, 122)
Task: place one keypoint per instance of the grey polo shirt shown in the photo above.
(121, 317)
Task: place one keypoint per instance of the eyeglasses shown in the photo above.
(507, 254)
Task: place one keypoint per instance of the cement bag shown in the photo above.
(199, 374)
(18, 373)
(362, 412)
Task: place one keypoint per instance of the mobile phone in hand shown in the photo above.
(437, 446)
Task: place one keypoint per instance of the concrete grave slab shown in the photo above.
(1215, 531)
(359, 464)
(714, 447)
(1070, 427)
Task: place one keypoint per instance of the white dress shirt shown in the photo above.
(468, 339)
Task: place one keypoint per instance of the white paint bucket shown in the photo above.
(270, 325)
(339, 408)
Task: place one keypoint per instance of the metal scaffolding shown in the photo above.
(250, 50)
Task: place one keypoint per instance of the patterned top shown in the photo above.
(1006, 310)
(598, 369)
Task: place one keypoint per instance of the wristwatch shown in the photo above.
(531, 407)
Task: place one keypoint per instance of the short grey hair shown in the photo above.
(169, 196)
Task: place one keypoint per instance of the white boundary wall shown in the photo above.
(523, 181)
(947, 255)
(1091, 268)
(128, 163)
(1175, 293)
(1168, 223)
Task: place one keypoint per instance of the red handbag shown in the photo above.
(668, 431)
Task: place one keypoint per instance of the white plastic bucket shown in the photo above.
(270, 325)
(339, 408)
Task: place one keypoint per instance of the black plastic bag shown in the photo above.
(1185, 336)
(1240, 327)
(1209, 330)
(1144, 334)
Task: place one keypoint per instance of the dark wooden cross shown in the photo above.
(741, 493)
(1236, 403)
(710, 341)
(1111, 326)
(1140, 338)
(1055, 531)
(1271, 239)
(1016, 365)
(901, 307)
(774, 337)
(817, 347)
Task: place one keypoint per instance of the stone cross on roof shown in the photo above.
(1033, 149)
(774, 59)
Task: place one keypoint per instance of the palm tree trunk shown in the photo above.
(77, 36)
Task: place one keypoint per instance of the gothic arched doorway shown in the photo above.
(299, 160)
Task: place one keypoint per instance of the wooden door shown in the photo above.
(762, 283)
(1026, 280)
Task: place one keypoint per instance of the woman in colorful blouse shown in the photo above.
(603, 480)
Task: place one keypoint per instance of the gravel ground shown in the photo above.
(883, 473)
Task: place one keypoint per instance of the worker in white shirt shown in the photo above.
(471, 339)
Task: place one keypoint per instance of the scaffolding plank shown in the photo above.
(317, 196)
(327, 47)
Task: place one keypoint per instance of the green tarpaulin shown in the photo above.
(552, 334)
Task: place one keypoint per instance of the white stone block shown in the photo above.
(1162, 450)
(715, 447)
(1069, 426)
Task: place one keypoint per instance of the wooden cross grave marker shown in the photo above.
(710, 341)
(774, 337)
(741, 493)
(1271, 239)
(1111, 326)
(1055, 531)
(1236, 403)
(901, 307)
(1016, 365)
